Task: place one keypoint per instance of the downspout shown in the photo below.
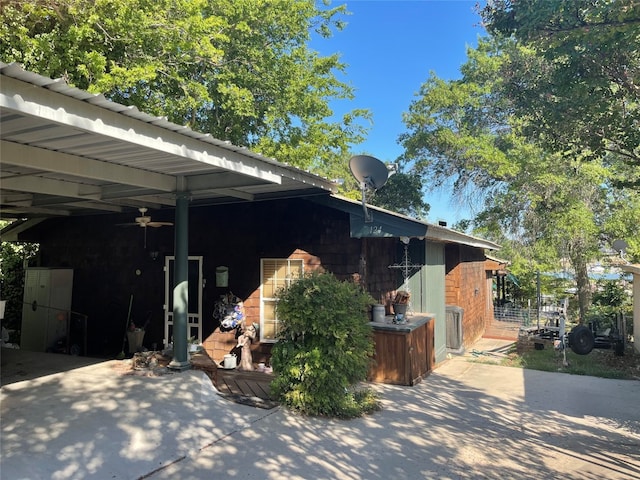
(362, 267)
(181, 280)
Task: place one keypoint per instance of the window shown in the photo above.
(275, 274)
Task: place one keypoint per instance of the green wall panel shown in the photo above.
(434, 295)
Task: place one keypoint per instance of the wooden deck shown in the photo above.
(248, 384)
(249, 388)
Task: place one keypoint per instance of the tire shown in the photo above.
(581, 340)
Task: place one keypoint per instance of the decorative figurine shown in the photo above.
(244, 341)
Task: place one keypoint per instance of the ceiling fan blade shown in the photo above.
(159, 224)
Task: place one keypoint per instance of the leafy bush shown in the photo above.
(610, 299)
(324, 347)
(13, 259)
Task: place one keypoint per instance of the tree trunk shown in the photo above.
(582, 283)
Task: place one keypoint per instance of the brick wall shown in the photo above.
(466, 286)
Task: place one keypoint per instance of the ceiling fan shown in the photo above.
(144, 221)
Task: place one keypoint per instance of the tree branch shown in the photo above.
(586, 26)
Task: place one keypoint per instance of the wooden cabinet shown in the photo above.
(404, 354)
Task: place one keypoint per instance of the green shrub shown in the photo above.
(324, 347)
(610, 299)
(14, 257)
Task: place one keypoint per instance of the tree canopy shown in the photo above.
(546, 204)
(403, 193)
(577, 79)
(240, 70)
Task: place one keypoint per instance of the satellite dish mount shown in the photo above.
(372, 174)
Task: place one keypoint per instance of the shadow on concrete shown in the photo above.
(95, 422)
(18, 365)
(466, 420)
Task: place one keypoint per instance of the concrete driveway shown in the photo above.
(465, 421)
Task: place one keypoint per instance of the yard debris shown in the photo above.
(146, 364)
(250, 401)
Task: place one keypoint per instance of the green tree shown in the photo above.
(403, 193)
(623, 222)
(579, 81)
(240, 70)
(611, 299)
(552, 204)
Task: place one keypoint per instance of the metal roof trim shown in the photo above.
(446, 234)
(10, 232)
(501, 261)
(433, 232)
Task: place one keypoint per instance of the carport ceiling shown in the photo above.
(64, 152)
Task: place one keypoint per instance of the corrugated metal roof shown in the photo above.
(66, 151)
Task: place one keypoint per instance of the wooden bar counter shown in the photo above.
(404, 354)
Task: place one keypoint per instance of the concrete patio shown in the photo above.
(465, 421)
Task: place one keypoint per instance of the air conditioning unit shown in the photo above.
(454, 328)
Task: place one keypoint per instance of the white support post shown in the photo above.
(635, 270)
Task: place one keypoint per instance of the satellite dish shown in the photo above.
(371, 173)
(620, 246)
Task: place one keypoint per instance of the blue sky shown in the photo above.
(390, 46)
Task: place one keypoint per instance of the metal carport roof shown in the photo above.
(65, 151)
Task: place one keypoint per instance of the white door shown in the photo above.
(194, 314)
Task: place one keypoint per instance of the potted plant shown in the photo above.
(194, 344)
